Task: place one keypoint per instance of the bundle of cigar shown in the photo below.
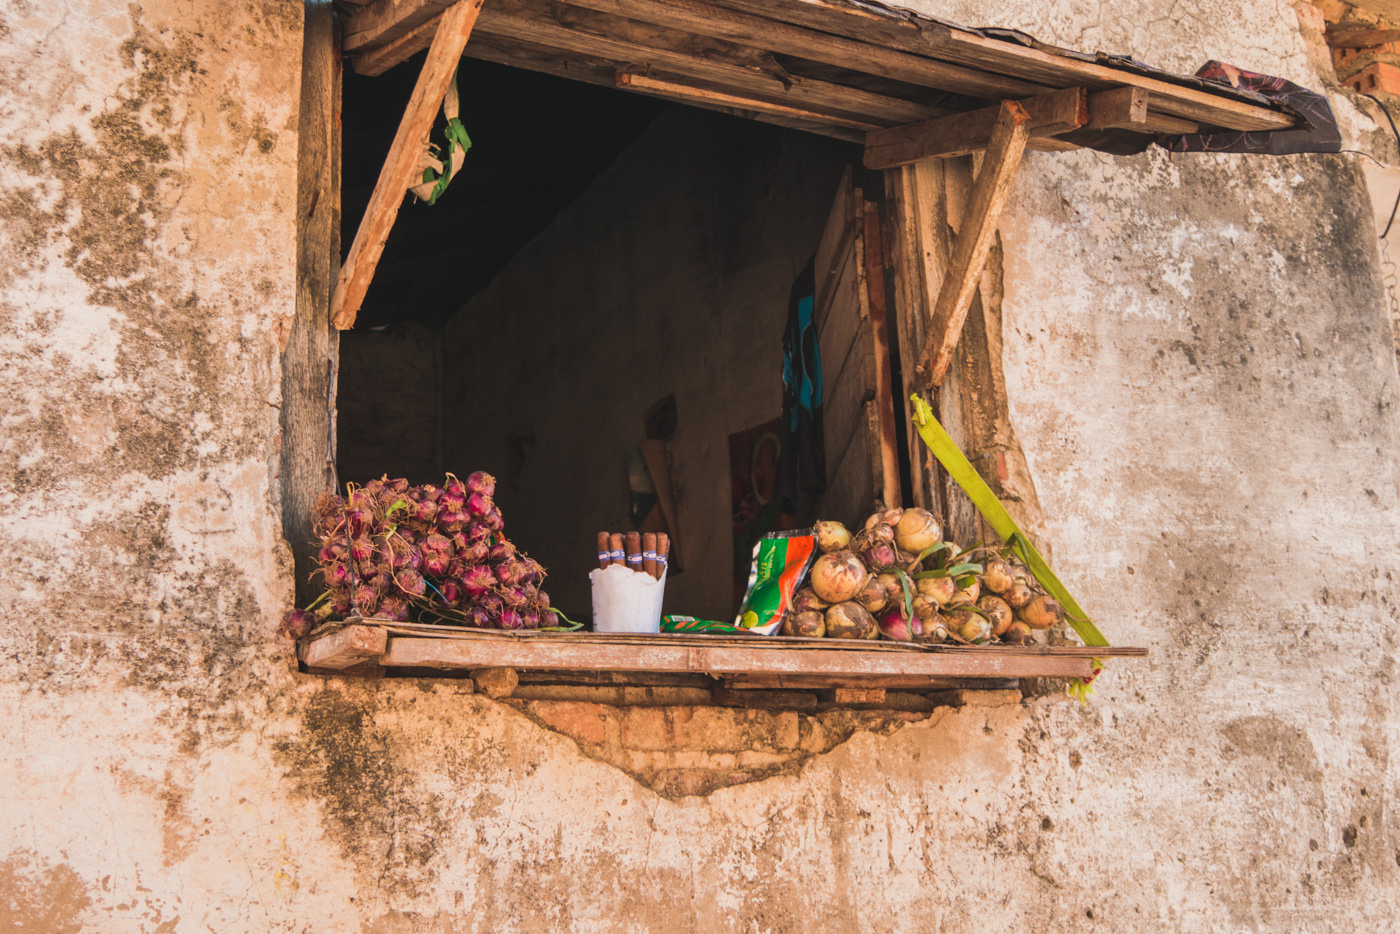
(644, 552)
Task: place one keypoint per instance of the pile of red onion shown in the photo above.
(396, 552)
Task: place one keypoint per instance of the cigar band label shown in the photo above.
(661, 560)
(604, 556)
(615, 555)
(649, 556)
(634, 559)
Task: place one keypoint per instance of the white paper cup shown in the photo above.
(625, 600)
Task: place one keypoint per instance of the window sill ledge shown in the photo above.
(726, 662)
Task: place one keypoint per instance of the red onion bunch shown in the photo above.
(395, 551)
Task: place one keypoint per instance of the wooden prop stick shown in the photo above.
(975, 237)
(398, 173)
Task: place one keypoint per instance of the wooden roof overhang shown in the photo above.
(906, 86)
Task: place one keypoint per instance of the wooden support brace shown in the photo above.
(989, 192)
(1047, 115)
(401, 165)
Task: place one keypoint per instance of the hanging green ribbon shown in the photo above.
(971, 482)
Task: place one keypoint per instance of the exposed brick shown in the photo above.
(586, 723)
(677, 782)
(588, 693)
(646, 728)
(1378, 78)
(665, 696)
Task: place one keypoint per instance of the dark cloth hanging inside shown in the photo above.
(803, 464)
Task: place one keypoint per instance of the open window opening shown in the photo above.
(601, 257)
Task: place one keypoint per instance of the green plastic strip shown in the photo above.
(967, 477)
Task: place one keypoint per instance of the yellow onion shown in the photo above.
(838, 577)
(968, 594)
(998, 613)
(807, 599)
(916, 530)
(940, 589)
(873, 595)
(831, 536)
(1018, 633)
(968, 624)
(1042, 612)
(1017, 595)
(810, 624)
(850, 621)
(996, 576)
(894, 590)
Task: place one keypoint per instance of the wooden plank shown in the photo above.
(838, 306)
(964, 133)
(834, 242)
(672, 90)
(383, 21)
(997, 56)
(1048, 68)
(721, 660)
(850, 491)
(974, 240)
(918, 255)
(848, 696)
(813, 45)
(530, 26)
(346, 647)
(848, 384)
(888, 447)
(310, 351)
(401, 165)
(380, 58)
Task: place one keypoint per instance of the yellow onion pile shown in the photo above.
(897, 578)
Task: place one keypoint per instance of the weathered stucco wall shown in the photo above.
(1202, 383)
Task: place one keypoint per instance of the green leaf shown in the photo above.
(967, 477)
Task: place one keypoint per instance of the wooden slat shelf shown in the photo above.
(731, 660)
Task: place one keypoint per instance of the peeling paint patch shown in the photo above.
(39, 896)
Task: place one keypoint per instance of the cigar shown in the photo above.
(615, 549)
(604, 558)
(663, 549)
(634, 550)
(649, 553)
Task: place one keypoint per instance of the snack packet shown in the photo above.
(780, 564)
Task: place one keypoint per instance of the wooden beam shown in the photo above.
(770, 34)
(975, 237)
(345, 648)
(1126, 108)
(401, 165)
(709, 68)
(890, 486)
(704, 97)
(310, 348)
(380, 58)
(383, 21)
(717, 660)
(958, 46)
(960, 134)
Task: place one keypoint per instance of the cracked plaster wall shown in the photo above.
(1200, 375)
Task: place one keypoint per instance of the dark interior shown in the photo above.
(536, 142)
(599, 252)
